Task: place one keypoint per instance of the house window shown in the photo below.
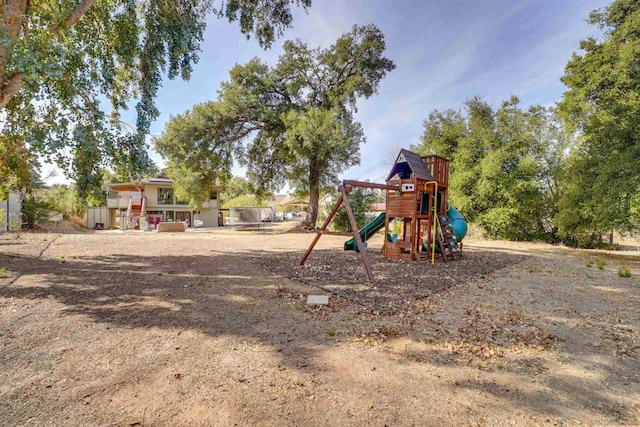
(155, 217)
(165, 196)
(184, 217)
(169, 216)
(213, 195)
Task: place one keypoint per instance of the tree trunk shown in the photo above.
(314, 196)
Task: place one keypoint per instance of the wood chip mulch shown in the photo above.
(396, 282)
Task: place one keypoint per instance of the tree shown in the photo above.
(59, 60)
(360, 200)
(236, 186)
(198, 159)
(64, 199)
(603, 105)
(15, 165)
(505, 165)
(294, 122)
(245, 201)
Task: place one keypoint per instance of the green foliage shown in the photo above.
(245, 201)
(15, 165)
(505, 165)
(60, 59)
(293, 122)
(624, 272)
(588, 263)
(35, 211)
(199, 159)
(602, 185)
(64, 199)
(236, 186)
(600, 264)
(4, 273)
(360, 199)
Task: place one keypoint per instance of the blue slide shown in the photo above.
(458, 223)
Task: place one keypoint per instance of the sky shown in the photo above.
(445, 51)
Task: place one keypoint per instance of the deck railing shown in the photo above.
(438, 167)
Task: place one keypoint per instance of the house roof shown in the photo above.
(155, 180)
(377, 207)
(408, 163)
(292, 201)
(278, 198)
(123, 186)
(160, 178)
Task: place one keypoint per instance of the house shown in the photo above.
(294, 204)
(153, 200)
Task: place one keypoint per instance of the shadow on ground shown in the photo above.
(396, 282)
(232, 295)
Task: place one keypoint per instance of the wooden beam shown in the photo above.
(365, 184)
(334, 233)
(356, 232)
(322, 229)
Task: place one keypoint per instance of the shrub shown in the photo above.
(34, 211)
(359, 199)
(624, 272)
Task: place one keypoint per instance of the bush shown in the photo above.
(359, 199)
(35, 211)
(624, 272)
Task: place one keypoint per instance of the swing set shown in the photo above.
(416, 197)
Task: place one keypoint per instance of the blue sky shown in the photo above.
(445, 51)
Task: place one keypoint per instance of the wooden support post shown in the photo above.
(414, 226)
(356, 232)
(323, 228)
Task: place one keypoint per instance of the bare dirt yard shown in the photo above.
(212, 328)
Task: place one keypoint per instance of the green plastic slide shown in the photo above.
(366, 232)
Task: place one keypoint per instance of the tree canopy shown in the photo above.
(505, 165)
(293, 122)
(602, 188)
(235, 187)
(61, 60)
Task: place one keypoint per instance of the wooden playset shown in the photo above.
(416, 198)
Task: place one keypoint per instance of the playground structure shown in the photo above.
(416, 198)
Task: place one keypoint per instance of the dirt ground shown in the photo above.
(212, 328)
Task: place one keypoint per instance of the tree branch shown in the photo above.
(10, 89)
(13, 13)
(78, 12)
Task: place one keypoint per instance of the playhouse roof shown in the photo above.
(409, 162)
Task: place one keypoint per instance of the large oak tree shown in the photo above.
(61, 59)
(291, 123)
